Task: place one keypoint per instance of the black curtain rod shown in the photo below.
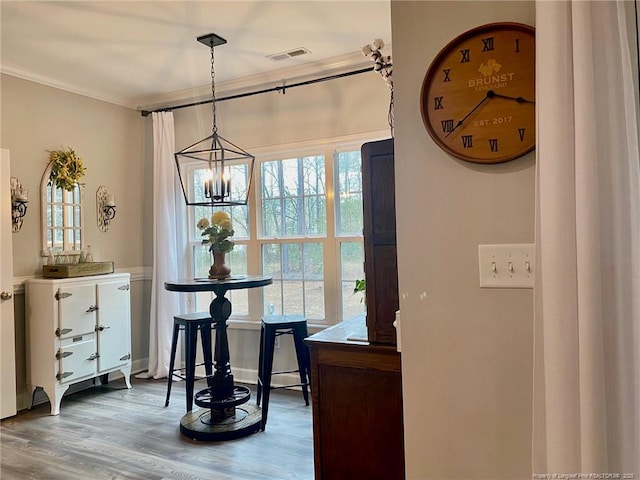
(283, 89)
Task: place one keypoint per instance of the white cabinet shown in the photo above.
(77, 329)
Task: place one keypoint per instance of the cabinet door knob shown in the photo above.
(6, 295)
(92, 308)
(101, 328)
(93, 356)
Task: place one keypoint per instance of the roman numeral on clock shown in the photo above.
(438, 103)
(517, 45)
(446, 75)
(447, 126)
(465, 56)
(521, 134)
(487, 44)
(493, 144)
(467, 141)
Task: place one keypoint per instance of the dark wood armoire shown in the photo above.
(355, 369)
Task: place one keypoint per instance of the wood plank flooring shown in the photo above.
(109, 432)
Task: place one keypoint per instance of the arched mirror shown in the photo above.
(62, 217)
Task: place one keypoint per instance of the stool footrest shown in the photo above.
(284, 371)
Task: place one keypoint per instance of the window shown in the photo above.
(303, 227)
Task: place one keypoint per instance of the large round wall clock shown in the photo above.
(478, 96)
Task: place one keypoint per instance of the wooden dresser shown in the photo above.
(356, 390)
(356, 381)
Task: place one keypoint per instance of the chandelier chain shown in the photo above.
(214, 129)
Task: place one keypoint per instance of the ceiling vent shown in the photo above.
(296, 52)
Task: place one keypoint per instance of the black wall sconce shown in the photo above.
(19, 202)
(105, 208)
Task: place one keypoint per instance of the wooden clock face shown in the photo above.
(478, 97)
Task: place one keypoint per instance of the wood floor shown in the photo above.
(109, 432)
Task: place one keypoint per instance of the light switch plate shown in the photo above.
(508, 265)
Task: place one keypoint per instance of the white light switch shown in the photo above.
(510, 265)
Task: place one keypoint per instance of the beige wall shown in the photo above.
(466, 360)
(110, 140)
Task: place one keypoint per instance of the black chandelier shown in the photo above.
(209, 168)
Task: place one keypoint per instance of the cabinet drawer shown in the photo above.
(78, 358)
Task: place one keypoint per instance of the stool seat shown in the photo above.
(190, 323)
(273, 326)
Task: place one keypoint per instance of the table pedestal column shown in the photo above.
(226, 413)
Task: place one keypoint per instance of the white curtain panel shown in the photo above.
(167, 244)
(587, 294)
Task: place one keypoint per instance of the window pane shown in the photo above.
(203, 300)
(273, 298)
(293, 217)
(68, 212)
(292, 261)
(57, 218)
(314, 280)
(316, 215)
(270, 179)
(291, 175)
(314, 300)
(352, 304)
(238, 175)
(271, 260)
(314, 178)
(351, 269)
(313, 261)
(349, 194)
(202, 260)
(272, 218)
(240, 219)
(293, 300)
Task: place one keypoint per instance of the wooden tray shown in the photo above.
(77, 269)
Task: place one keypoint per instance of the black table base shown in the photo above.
(226, 414)
(199, 425)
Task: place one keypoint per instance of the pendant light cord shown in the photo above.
(214, 129)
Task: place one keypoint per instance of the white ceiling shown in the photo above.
(137, 53)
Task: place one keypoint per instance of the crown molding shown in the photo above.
(48, 82)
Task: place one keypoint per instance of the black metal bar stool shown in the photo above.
(272, 327)
(190, 323)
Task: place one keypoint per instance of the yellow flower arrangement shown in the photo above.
(66, 169)
(217, 232)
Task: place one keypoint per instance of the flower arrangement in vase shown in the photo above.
(217, 233)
